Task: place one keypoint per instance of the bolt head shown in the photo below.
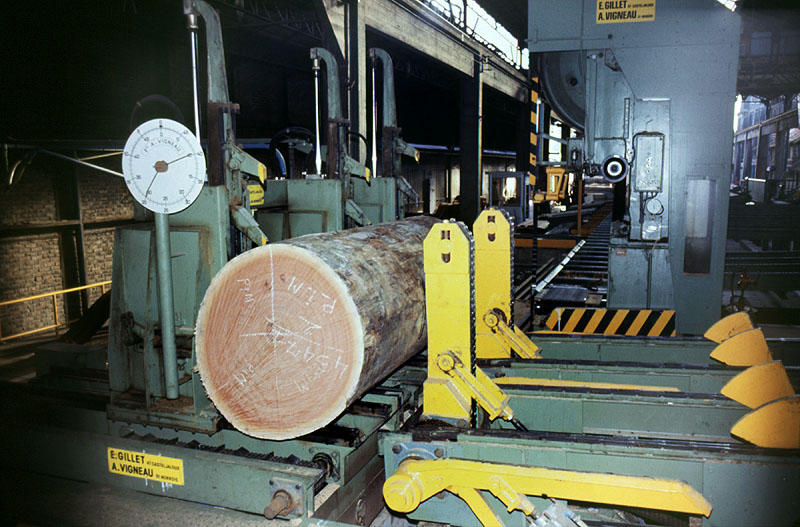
(439, 452)
(397, 449)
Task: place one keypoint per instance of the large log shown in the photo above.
(289, 334)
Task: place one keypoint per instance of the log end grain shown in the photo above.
(279, 342)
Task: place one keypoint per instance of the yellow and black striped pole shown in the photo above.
(534, 131)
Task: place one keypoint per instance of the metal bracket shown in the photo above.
(511, 337)
(245, 222)
(354, 211)
(478, 386)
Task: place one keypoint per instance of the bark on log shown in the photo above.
(289, 334)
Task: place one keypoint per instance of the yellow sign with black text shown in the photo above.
(256, 194)
(145, 466)
(616, 11)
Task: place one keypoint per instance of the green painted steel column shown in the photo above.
(166, 305)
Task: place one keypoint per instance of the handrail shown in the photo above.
(54, 295)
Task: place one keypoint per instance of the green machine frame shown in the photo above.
(350, 195)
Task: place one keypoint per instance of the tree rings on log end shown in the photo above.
(279, 342)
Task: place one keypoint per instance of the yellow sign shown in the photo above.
(256, 194)
(616, 11)
(145, 466)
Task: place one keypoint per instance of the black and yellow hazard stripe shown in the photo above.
(534, 131)
(631, 322)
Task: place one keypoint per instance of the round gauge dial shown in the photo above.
(164, 166)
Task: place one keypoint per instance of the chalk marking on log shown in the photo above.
(313, 294)
(274, 335)
(311, 325)
(287, 332)
(241, 376)
(310, 377)
(295, 289)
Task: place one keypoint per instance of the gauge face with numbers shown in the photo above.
(164, 166)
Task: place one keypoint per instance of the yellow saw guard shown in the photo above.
(774, 425)
(759, 385)
(748, 348)
(415, 481)
(728, 327)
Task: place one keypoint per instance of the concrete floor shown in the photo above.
(37, 500)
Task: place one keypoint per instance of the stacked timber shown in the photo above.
(289, 334)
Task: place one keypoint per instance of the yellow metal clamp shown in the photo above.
(417, 480)
(510, 337)
(759, 384)
(478, 386)
(448, 251)
(453, 380)
(496, 336)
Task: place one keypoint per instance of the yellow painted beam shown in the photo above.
(417, 480)
(774, 425)
(747, 348)
(759, 385)
(562, 383)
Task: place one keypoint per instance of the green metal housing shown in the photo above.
(656, 95)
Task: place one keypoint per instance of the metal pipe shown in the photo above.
(374, 122)
(193, 27)
(389, 107)
(82, 163)
(317, 155)
(166, 305)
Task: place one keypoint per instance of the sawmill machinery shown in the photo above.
(581, 438)
(347, 193)
(393, 147)
(138, 415)
(492, 427)
(651, 88)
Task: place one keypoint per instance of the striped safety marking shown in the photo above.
(532, 170)
(631, 322)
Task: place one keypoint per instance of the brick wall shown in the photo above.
(31, 265)
(31, 261)
(99, 247)
(104, 197)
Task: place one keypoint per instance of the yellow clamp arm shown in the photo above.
(479, 386)
(511, 336)
(414, 481)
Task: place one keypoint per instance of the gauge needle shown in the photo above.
(146, 192)
(187, 155)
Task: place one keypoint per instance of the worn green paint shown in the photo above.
(681, 350)
(664, 415)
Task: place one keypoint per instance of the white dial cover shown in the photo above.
(164, 166)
